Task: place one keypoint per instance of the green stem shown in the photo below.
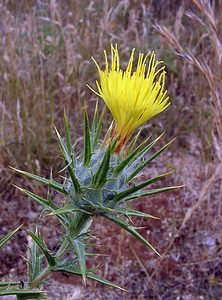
(38, 280)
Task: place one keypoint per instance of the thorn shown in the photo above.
(17, 187)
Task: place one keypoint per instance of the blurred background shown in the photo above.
(45, 64)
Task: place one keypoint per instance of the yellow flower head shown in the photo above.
(132, 96)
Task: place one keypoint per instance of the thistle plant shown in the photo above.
(103, 180)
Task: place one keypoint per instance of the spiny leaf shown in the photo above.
(131, 229)
(40, 242)
(51, 183)
(70, 268)
(100, 177)
(9, 236)
(96, 138)
(113, 144)
(143, 165)
(79, 248)
(80, 224)
(135, 213)
(153, 192)
(35, 261)
(96, 254)
(68, 160)
(68, 140)
(96, 126)
(143, 150)
(67, 209)
(123, 211)
(104, 281)
(105, 209)
(87, 143)
(95, 118)
(46, 203)
(138, 187)
(132, 156)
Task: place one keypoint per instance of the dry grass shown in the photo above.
(209, 60)
(45, 64)
(209, 63)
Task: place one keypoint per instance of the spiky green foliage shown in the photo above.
(100, 182)
(35, 261)
(14, 288)
(6, 238)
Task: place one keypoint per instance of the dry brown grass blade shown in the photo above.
(170, 38)
(178, 20)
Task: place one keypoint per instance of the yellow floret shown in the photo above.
(132, 96)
